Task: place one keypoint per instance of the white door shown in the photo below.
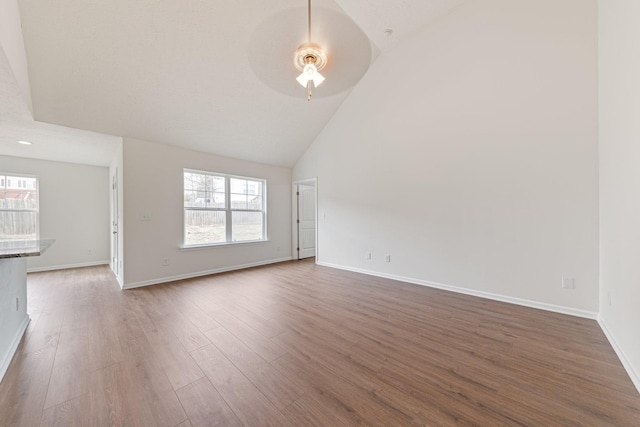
(114, 223)
(306, 221)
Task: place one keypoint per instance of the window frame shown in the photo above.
(228, 209)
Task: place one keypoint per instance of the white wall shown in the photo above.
(74, 210)
(12, 44)
(619, 38)
(13, 322)
(152, 182)
(469, 154)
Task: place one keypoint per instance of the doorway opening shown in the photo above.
(305, 230)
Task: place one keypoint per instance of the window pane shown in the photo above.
(193, 181)
(238, 193)
(19, 193)
(203, 191)
(237, 185)
(246, 226)
(18, 225)
(202, 227)
(246, 194)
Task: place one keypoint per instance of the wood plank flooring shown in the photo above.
(295, 344)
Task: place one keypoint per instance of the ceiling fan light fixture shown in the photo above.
(310, 59)
(310, 74)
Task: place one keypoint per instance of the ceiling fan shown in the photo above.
(310, 59)
(271, 51)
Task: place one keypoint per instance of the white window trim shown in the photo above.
(228, 211)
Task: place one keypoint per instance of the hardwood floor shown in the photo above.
(295, 344)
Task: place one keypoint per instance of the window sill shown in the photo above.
(218, 245)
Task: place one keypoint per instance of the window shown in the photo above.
(18, 207)
(221, 209)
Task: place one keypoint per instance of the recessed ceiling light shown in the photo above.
(25, 142)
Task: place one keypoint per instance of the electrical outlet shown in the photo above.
(387, 258)
(165, 261)
(568, 283)
(89, 251)
(367, 255)
(145, 217)
(17, 304)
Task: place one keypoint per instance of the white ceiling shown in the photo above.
(206, 75)
(50, 142)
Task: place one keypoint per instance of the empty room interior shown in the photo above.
(319, 213)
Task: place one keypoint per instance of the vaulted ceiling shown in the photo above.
(206, 75)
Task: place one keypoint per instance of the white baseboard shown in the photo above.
(635, 376)
(66, 266)
(118, 279)
(472, 292)
(6, 359)
(202, 273)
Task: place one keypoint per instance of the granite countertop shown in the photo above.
(24, 248)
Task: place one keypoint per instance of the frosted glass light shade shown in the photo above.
(310, 73)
